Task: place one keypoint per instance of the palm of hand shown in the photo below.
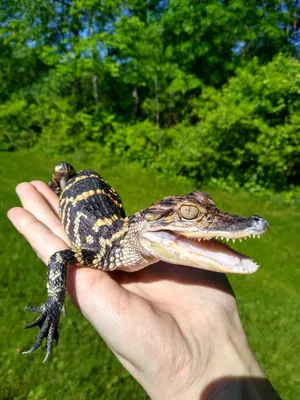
(158, 321)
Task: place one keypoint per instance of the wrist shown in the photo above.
(236, 374)
(231, 372)
(232, 357)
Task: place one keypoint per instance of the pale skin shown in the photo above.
(175, 329)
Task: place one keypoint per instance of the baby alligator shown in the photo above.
(178, 229)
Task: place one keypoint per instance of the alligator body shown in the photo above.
(178, 229)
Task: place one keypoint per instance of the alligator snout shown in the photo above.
(259, 223)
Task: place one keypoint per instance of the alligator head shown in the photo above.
(187, 230)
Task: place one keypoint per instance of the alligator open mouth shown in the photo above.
(200, 252)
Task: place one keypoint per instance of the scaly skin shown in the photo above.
(177, 229)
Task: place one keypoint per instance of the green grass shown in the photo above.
(83, 367)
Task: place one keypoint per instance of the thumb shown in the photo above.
(100, 299)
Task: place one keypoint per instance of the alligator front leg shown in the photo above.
(48, 322)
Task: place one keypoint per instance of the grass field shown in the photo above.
(83, 367)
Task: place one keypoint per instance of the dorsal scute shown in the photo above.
(88, 191)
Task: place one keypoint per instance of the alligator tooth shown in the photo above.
(258, 236)
(227, 239)
(241, 240)
(233, 240)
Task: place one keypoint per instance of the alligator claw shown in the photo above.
(48, 324)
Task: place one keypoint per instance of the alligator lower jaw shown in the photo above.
(209, 254)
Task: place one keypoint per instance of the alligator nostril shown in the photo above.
(257, 218)
(260, 222)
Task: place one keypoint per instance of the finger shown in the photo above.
(119, 316)
(83, 284)
(91, 290)
(48, 194)
(34, 202)
(40, 237)
(110, 308)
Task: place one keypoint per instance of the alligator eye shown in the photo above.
(189, 212)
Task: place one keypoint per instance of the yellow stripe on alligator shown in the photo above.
(90, 193)
(121, 232)
(78, 256)
(80, 178)
(106, 221)
(85, 195)
(67, 221)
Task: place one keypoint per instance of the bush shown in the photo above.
(249, 131)
(247, 134)
(134, 143)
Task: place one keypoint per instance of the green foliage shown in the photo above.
(191, 88)
(13, 116)
(248, 133)
(251, 126)
(134, 143)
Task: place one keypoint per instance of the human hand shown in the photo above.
(175, 329)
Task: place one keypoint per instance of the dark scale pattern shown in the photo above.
(87, 199)
(48, 322)
(93, 217)
(101, 205)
